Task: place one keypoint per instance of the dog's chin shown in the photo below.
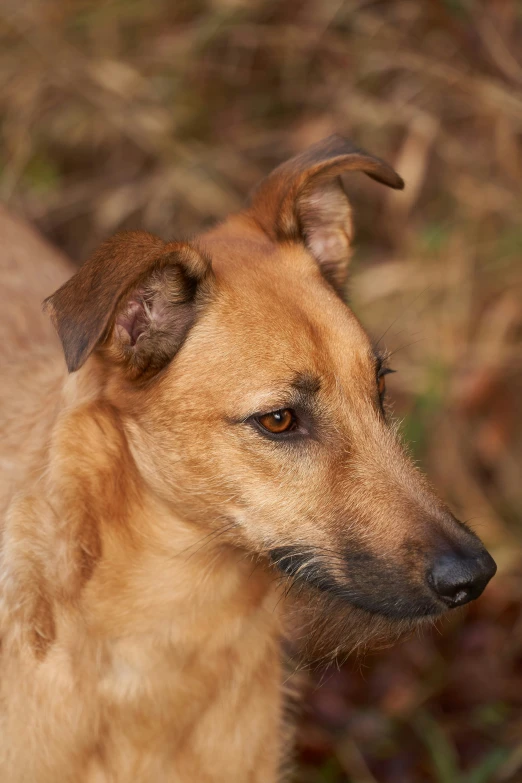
(323, 627)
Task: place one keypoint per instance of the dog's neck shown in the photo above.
(203, 580)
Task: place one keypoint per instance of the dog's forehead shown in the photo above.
(235, 245)
(274, 296)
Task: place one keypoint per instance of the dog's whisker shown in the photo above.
(207, 539)
(403, 312)
(406, 345)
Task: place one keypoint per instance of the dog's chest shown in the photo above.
(188, 715)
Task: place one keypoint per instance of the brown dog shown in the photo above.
(222, 402)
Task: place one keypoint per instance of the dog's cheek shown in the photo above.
(280, 496)
(173, 454)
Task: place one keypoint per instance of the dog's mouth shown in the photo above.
(360, 580)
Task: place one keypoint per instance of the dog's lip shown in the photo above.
(401, 609)
(292, 562)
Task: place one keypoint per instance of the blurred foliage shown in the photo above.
(162, 115)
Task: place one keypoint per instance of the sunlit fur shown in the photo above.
(143, 608)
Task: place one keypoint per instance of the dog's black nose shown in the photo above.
(458, 579)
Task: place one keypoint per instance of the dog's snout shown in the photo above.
(459, 578)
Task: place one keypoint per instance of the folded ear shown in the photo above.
(135, 297)
(304, 199)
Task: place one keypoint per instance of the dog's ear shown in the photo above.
(135, 297)
(304, 199)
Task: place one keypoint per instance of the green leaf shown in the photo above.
(441, 750)
(483, 773)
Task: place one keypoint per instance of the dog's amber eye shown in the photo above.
(381, 383)
(278, 422)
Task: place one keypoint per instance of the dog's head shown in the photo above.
(254, 401)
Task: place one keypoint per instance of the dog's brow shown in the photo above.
(306, 384)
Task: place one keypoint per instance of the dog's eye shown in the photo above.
(381, 382)
(278, 422)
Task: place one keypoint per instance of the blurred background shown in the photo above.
(162, 115)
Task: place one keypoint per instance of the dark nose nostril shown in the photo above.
(458, 579)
